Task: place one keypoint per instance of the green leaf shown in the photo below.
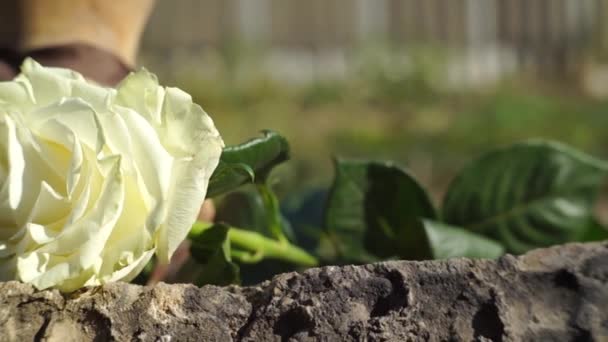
(595, 232)
(227, 177)
(529, 195)
(373, 211)
(211, 248)
(305, 211)
(450, 242)
(243, 208)
(247, 162)
(246, 208)
(275, 220)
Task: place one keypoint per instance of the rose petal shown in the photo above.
(49, 84)
(191, 180)
(97, 180)
(186, 127)
(131, 271)
(140, 92)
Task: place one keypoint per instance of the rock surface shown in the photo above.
(555, 294)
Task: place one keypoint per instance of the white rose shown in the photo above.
(96, 180)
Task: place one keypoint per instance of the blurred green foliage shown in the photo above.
(529, 195)
(386, 108)
(393, 110)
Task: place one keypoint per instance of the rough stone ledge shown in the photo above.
(554, 294)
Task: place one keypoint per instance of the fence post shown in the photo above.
(372, 18)
(254, 20)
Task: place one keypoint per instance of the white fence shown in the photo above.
(492, 36)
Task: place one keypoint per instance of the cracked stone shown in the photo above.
(557, 294)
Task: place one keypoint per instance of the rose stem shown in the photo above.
(260, 246)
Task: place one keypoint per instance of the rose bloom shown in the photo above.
(95, 180)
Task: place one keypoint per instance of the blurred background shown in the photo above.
(429, 84)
